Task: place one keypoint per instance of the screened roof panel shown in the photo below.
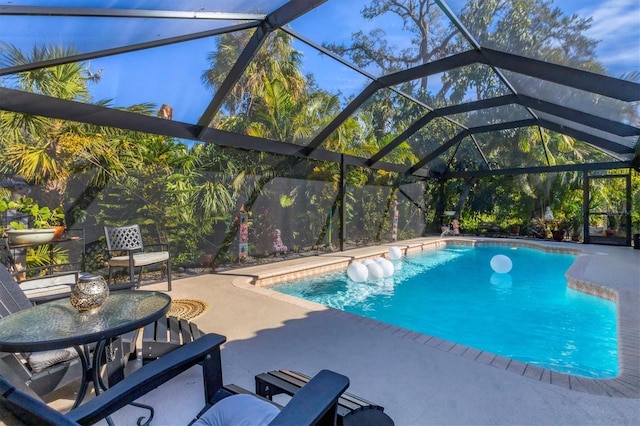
(591, 103)
(176, 83)
(460, 85)
(501, 114)
(572, 150)
(608, 31)
(340, 25)
(469, 157)
(430, 137)
(87, 34)
(505, 149)
(439, 166)
(384, 116)
(333, 80)
(329, 74)
(628, 142)
(227, 6)
(275, 87)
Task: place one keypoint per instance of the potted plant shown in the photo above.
(555, 228)
(43, 222)
(576, 228)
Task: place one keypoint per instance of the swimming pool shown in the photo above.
(528, 314)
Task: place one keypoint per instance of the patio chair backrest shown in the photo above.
(12, 298)
(123, 238)
(6, 258)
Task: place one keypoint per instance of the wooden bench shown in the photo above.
(352, 410)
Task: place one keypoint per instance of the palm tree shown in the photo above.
(276, 59)
(49, 151)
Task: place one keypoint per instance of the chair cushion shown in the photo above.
(39, 361)
(140, 259)
(49, 281)
(239, 410)
(59, 291)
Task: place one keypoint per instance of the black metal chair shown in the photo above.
(127, 250)
(315, 403)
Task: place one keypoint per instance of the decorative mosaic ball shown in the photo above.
(89, 293)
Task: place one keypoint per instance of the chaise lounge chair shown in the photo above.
(315, 403)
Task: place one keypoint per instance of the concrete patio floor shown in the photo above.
(419, 380)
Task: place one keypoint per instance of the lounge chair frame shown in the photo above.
(316, 403)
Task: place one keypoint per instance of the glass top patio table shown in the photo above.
(57, 324)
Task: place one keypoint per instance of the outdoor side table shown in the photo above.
(57, 325)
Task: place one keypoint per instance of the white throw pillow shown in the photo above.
(239, 410)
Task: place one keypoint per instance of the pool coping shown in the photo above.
(625, 385)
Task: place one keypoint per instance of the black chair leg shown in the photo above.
(169, 274)
(140, 277)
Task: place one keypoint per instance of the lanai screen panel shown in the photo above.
(461, 85)
(501, 114)
(374, 124)
(629, 141)
(566, 150)
(380, 42)
(431, 136)
(411, 207)
(289, 92)
(175, 83)
(580, 100)
(369, 216)
(90, 34)
(469, 157)
(561, 32)
(512, 148)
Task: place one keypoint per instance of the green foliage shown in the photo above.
(39, 217)
(43, 255)
(187, 195)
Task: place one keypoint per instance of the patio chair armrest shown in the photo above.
(316, 402)
(30, 410)
(205, 351)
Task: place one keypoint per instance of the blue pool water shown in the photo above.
(528, 314)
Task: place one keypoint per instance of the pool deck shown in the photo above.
(419, 379)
